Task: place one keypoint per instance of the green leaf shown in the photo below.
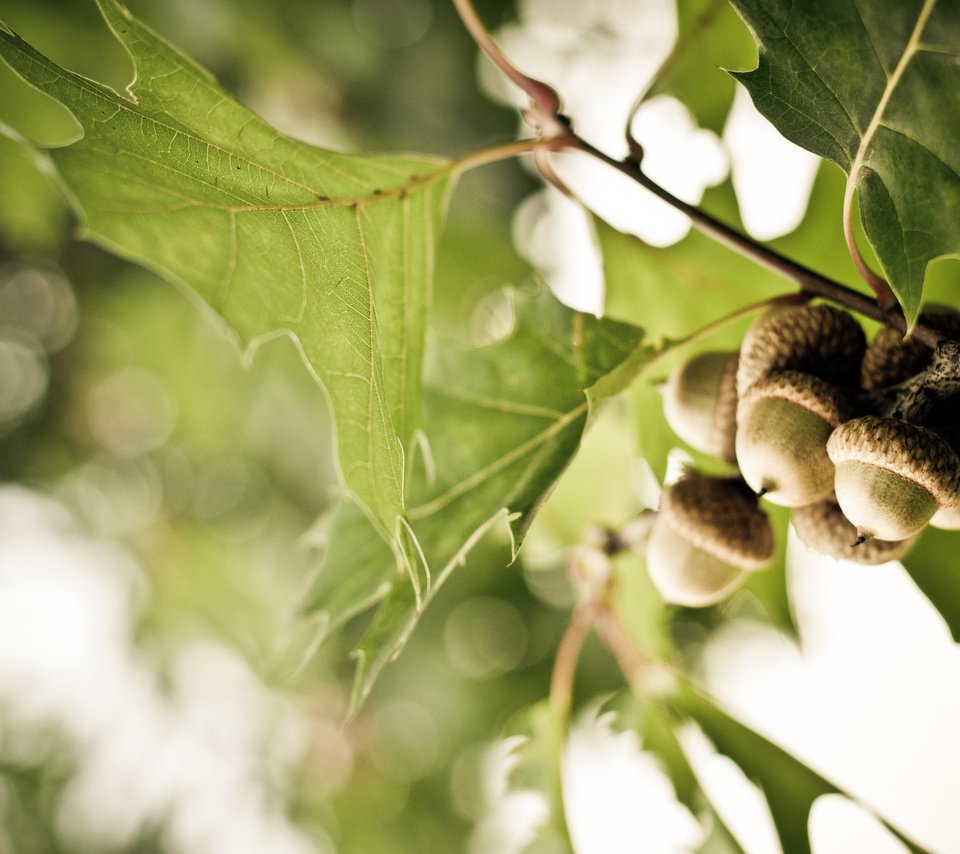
(790, 786)
(874, 87)
(502, 422)
(355, 571)
(277, 236)
(32, 213)
(929, 565)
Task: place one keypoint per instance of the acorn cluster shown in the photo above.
(807, 412)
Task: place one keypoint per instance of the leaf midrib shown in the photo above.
(909, 51)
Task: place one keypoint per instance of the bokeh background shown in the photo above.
(159, 497)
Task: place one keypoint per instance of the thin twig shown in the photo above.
(634, 663)
(680, 47)
(568, 654)
(806, 279)
(544, 110)
(557, 133)
(879, 285)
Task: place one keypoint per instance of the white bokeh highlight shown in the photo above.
(203, 757)
(617, 797)
(600, 57)
(772, 177)
(510, 817)
(737, 800)
(839, 826)
(870, 701)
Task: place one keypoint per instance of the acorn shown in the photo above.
(709, 533)
(892, 476)
(823, 528)
(816, 339)
(700, 403)
(889, 359)
(783, 423)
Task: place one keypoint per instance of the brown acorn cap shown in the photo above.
(700, 400)
(823, 528)
(906, 449)
(724, 434)
(720, 516)
(816, 339)
(889, 359)
(821, 398)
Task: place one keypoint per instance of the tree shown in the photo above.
(450, 436)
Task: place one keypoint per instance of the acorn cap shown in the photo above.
(905, 449)
(823, 527)
(816, 339)
(721, 517)
(889, 359)
(821, 398)
(724, 435)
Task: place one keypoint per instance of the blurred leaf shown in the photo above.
(710, 37)
(32, 214)
(582, 500)
(789, 786)
(874, 87)
(502, 422)
(277, 236)
(929, 565)
(638, 605)
(676, 291)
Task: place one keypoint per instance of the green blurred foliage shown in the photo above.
(211, 470)
(215, 505)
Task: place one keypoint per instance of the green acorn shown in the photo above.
(783, 423)
(700, 403)
(892, 476)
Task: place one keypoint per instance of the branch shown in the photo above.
(544, 110)
(807, 280)
(557, 133)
